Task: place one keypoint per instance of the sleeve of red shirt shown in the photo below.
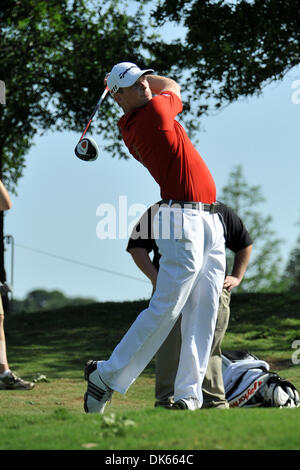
(165, 107)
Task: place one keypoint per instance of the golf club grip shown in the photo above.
(101, 99)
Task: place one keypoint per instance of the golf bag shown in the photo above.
(249, 382)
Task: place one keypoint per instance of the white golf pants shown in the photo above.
(190, 280)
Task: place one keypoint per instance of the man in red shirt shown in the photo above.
(188, 233)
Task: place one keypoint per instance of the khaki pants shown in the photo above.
(167, 359)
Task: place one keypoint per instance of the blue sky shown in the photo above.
(55, 209)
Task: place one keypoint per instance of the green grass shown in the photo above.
(148, 428)
(57, 344)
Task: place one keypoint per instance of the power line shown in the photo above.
(86, 265)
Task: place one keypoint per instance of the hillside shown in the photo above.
(56, 345)
(265, 324)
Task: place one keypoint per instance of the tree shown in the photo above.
(263, 273)
(54, 56)
(291, 274)
(231, 49)
(41, 299)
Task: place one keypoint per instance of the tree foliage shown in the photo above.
(263, 273)
(291, 274)
(54, 56)
(41, 299)
(231, 49)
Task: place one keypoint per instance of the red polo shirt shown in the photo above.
(160, 143)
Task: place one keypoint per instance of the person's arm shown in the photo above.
(159, 84)
(241, 260)
(5, 202)
(143, 261)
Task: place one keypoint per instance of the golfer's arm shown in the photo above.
(159, 84)
(142, 260)
(5, 202)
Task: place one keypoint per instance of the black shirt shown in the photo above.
(235, 232)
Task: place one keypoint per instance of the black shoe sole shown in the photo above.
(90, 366)
(84, 403)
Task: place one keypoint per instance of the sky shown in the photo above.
(59, 210)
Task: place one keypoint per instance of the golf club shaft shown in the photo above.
(101, 99)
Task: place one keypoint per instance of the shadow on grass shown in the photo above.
(59, 342)
(268, 322)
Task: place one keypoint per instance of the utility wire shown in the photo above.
(86, 265)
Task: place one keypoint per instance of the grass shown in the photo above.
(57, 344)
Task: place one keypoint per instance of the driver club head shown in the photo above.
(87, 149)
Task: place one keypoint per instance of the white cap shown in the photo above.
(124, 75)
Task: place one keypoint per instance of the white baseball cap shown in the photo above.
(124, 75)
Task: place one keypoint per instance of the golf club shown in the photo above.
(87, 149)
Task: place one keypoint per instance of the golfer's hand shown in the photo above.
(231, 282)
(105, 79)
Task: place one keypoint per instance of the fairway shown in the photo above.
(56, 345)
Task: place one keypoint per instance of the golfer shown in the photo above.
(189, 236)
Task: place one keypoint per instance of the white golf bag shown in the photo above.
(249, 382)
